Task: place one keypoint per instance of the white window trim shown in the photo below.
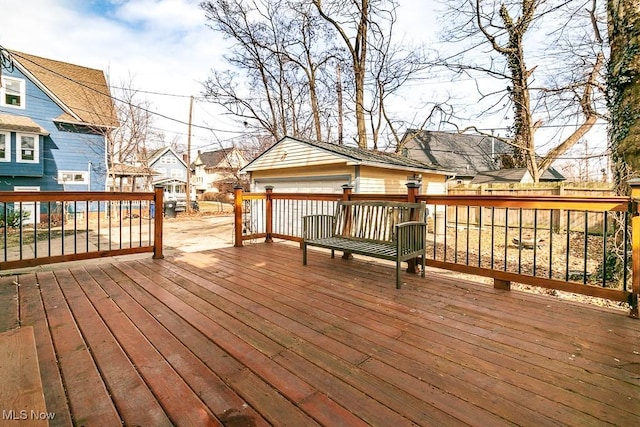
(36, 148)
(3, 92)
(7, 148)
(85, 176)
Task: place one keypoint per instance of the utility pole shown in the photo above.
(189, 157)
(339, 89)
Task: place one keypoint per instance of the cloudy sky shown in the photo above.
(164, 45)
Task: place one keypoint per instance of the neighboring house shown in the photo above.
(53, 120)
(216, 171)
(515, 175)
(294, 165)
(169, 170)
(466, 155)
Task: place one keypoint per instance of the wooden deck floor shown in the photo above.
(248, 336)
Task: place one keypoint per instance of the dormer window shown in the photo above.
(12, 92)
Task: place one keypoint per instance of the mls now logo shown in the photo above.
(27, 415)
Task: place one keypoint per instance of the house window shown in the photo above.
(27, 148)
(5, 147)
(168, 160)
(176, 173)
(73, 177)
(12, 92)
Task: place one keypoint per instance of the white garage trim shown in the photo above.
(306, 184)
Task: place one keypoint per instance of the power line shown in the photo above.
(82, 84)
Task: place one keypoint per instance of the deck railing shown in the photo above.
(588, 246)
(47, 227)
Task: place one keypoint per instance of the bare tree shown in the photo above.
(537, 98)
(280, 51)
(351, 21)
(390, 66)
(127, 143)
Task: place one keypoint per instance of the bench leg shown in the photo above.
(333, 253)
(398, 278)
(304, 254)
(424, 263)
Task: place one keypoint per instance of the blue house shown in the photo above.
(54, 118)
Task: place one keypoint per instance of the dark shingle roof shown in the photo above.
(212, 159)
(467, 155)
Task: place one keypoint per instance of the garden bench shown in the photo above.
(387, 230)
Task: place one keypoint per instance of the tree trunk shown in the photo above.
(624, 90)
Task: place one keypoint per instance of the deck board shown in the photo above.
(32, 313)
(248, 336)
(8, 303)
(21, 394)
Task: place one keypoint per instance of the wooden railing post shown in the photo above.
(157, 221)
(347, 190)
(413, 189)
(635, 246)
(269, 213)
(237, 211)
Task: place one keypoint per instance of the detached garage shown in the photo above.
(295, 165)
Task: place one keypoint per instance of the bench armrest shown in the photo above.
(317, 226)
(411, 236)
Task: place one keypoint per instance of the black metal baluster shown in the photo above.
(86, 219)
(21, 228)
(493, 232)
(550, 243)
(506, 236)
(468, 225)
(455, 233)
(566, 268)
(98, 233)
(535, 239)
(520, 242)
(604, 250)
(49, 228)
(480, 236)
(75, 226)
(35, 229)
(131, 223)
(586, 241)
(625, 258)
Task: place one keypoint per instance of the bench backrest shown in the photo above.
(374, 220)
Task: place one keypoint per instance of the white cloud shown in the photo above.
(163, 44)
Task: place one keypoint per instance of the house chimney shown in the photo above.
(185, 158)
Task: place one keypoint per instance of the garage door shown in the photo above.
(305, 185)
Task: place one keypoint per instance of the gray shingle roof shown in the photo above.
(467, 155)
